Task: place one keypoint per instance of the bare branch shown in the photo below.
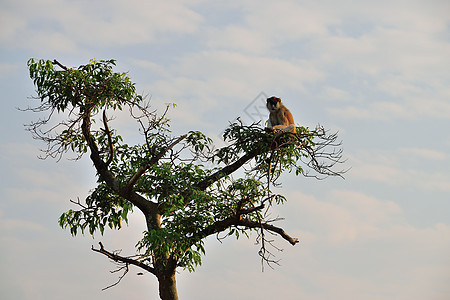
(117, 258)
(269, 227)
(55, 62)
(120, 277)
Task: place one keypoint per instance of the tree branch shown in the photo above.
(108, 133)
(153, 161)
(269, 227)
(122, 259)
(105, 174)
(250, 210)
(55, 62)
(237, 220)
(202, 185)
(120, 277)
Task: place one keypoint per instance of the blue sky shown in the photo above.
(376, 71)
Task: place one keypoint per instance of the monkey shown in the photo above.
(280, 118)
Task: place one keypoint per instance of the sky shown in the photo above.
(377, 72)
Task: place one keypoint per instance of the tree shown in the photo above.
(181, 184)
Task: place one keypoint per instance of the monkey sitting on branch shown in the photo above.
(280, 118)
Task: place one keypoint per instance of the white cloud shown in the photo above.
(376, 247)
(68, 26)
(385, 51)
(269, 25)
(345, 217)
(7, 69)
(35, 256)
(422, 153)
(424, 106)
(394, 168)
(51, 42)
(330, 93)
(406, 38)
(133, 22)
(397, 98)
(352, 246)
(209, 81)
(14, 226)
(223, 73)
(399, 54)
(238, 38)
(35, 184)
(288, 20)
(9, 25)
(381, 110)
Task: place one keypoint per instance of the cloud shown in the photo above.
(400, 168)
(51, 42)
(392, 98)
(345, 217)
(225, 73)
(205, 82)
(266, 26)
(386, 50)
(237, 38)
(67, 26)
(414, 109)
(394, 64)
(422, 153)
(29, 182)
(255, 70)
(13, 226)
(330, 93)
(352, 246)
(9, 25)
(381, 110)
(373, 246)
(35, 256)
(393, 41)
(8, 69)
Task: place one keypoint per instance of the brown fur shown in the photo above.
(279, 117)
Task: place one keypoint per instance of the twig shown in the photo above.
(55, 62)
(121, 259)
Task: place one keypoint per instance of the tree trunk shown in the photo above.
(165, 267)
(168, 287)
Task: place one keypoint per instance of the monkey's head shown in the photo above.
(273, 103)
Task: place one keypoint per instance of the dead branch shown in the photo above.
(121, 259)
(55, 62)
(125, 268)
